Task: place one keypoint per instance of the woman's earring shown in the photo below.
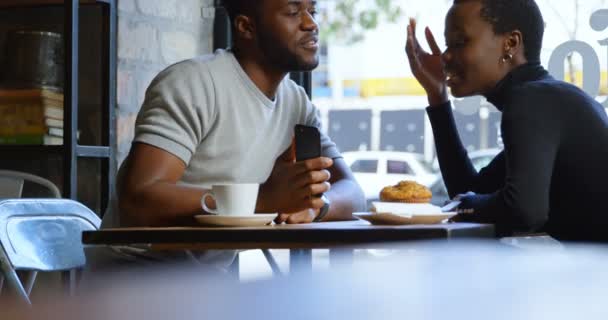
(506, 57)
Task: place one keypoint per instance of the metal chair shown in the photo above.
(42, 235)
(11, 184)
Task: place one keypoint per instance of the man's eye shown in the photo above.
(313, 13)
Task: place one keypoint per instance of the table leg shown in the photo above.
(233, 269)
(300, 260)
(272, 262)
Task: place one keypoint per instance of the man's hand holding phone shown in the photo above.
(292, 186)
(298, 179)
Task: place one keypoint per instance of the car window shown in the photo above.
(427, 166)
(364, 166)
(398, 167)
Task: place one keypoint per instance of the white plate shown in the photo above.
(255, 220)
(394, 219)
(406, 209)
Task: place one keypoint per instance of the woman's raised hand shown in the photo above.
(427, 67)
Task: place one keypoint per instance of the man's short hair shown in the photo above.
(523, 15)
(240, 7)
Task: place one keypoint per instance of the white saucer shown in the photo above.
(255, 220)
(395, 219)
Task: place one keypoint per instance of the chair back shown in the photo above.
(11, 184)
(45, 234)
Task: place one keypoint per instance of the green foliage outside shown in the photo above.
(345, 21)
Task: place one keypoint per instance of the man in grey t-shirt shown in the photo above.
(229, 117)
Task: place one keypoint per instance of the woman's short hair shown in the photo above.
(523, 15)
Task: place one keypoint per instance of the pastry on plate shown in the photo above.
(406, 191)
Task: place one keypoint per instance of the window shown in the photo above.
(365, 166)
(364, 73)
(398, 167)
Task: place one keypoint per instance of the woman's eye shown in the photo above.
(313, 13)
(456, 44)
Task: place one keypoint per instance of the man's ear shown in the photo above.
(245, 27)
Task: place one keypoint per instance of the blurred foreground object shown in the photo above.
(424, 280)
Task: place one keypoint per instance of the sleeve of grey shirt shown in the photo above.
(178, 109)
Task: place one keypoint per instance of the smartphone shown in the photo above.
(308, 142)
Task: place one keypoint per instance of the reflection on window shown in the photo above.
(398, 167)
(365, 166)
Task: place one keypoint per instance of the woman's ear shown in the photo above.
(244, 27)
(514, 44)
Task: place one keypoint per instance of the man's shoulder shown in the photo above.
(220, 58)
(197, 65)
(288, 88)
(288, 84)
(193, 71)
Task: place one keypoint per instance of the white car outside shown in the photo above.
(375, 170)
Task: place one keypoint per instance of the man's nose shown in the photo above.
(309, 22)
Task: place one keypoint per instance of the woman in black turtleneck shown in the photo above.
(552, 174)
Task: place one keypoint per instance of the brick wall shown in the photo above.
(153, 34)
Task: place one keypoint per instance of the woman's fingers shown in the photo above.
(413, 25)
(431, 41)
(415, 43)
(411, 48)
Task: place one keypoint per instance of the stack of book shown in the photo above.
(31, 116)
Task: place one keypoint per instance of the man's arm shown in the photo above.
(148, 193)
(345, 194)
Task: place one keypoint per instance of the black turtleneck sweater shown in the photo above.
(553, 173)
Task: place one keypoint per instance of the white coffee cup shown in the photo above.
(232, 199)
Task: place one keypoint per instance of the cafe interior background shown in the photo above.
(368, 98)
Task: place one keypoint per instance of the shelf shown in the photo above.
(10, 151)
(70, 154)
(35, 3)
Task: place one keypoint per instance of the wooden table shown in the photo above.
(340, 237)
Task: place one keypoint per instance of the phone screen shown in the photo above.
(308, 142)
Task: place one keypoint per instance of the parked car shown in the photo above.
(375, 170)
(479, 158)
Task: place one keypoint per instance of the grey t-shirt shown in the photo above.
(209, 113)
